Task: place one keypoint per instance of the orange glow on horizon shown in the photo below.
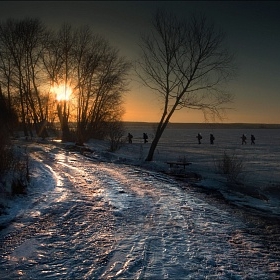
(140, 106)
(152, 113)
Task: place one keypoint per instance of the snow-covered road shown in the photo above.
(95, 220)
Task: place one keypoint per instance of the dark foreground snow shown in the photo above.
(85, 218)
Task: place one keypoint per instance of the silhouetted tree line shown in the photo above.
(35, 59)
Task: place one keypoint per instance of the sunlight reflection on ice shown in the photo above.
(58, 178)
(61, 194)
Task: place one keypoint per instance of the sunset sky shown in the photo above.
(253, 34)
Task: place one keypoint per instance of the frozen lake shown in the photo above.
(261, 161)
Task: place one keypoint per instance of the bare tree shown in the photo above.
(87, 59)
(66, 40)
(101, 80)
(111, 83)
(59, 64)
(52, 63)
(185, 63)
(21, 52)
(88, 52)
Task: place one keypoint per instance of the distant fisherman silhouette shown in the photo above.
(253, 139)
(199, 137)
(243, 138)
(212, 138)
(129, 136)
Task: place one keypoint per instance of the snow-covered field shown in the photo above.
(108, 215)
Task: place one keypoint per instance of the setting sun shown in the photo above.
(62, 92)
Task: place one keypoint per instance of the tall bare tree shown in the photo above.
(111, 83)
(66, 41)
(101, 80)
(21, 52)
(185, 63)
(52, 63)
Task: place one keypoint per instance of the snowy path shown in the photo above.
(106, 221)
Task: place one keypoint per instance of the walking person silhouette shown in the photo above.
(243, 138)
(145, 137)
(253, 139)
(212, 138)
(129, 136)
(199, 137)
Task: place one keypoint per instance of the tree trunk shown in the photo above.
(65, 132)
(150, 155)
(63, 122)
(161, 127)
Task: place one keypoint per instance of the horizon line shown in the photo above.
(208, 123)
